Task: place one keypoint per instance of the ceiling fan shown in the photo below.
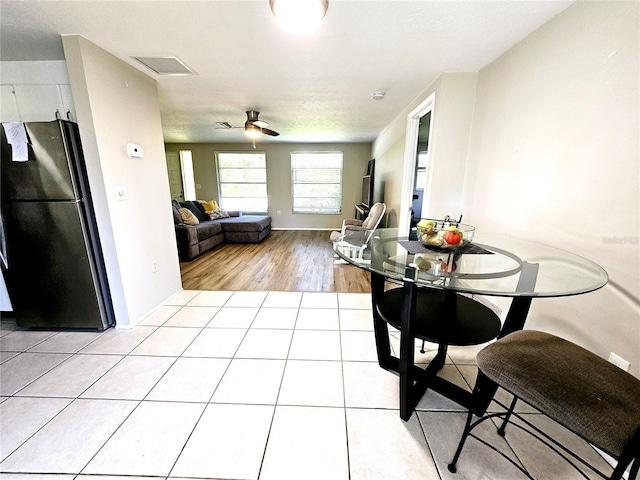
(253, 127)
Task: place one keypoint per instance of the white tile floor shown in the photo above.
(244, 385)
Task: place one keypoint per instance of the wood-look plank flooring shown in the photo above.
(300, 261)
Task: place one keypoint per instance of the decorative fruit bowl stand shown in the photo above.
(445, 234)
(441, 239)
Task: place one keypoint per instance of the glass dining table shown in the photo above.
(438, 295)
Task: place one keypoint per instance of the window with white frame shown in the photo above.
(242, 181)
(317, 182)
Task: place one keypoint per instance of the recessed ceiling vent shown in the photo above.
(165, 65)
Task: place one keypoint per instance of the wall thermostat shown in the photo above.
(134, 150)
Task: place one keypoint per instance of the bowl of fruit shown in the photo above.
(444, 234)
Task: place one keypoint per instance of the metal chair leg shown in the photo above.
(507, 417)
(635, 468)
(467, 429)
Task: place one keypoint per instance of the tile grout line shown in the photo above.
(344, 394)
(275, 406)
(234, 353)
(426, 439)
(145, 398)
(340, 331)
(139, 402)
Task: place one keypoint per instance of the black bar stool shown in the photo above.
(576, 388)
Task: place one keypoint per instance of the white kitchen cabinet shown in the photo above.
(35, 103)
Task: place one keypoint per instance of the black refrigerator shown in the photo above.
(52, 258)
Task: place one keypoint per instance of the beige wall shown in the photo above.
(116, 104)
(355, 157)
(450, 124)
(554, 158)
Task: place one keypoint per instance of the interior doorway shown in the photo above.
(188, 177)
(421, 168)
(417, 165)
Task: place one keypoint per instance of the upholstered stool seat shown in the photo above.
(576, 388)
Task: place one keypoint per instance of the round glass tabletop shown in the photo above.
(490, 265)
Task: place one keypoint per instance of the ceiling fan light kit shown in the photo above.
(299, 16)
(252, 131)
(253, 127)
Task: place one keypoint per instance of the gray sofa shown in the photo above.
(194, 240)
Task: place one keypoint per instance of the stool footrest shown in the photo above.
(533, 431)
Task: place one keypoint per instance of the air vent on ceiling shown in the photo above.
(165, 65)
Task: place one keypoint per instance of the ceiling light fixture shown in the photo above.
(299, 16)
(377, 95)
(252, 131)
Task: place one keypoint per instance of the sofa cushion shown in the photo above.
(207, 229)
(247, 237)
(188, 217)
(210, 206)
(200, 208)
(219, 213)
(195, 210)
(245, 223)
(177, 219)
(209, 243)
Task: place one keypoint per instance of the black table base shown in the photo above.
(440, 316)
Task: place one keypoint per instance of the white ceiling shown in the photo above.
(314, 88)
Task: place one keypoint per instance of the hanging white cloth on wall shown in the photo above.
(16, 134)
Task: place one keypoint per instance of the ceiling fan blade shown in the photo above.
(225, 126)
(260, 124)
(267, 131)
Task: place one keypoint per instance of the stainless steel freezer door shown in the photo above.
(47, 174)
(50, 278)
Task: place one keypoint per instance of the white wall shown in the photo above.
(554, 157)
(116, 104)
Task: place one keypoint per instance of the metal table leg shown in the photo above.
(473, 323)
